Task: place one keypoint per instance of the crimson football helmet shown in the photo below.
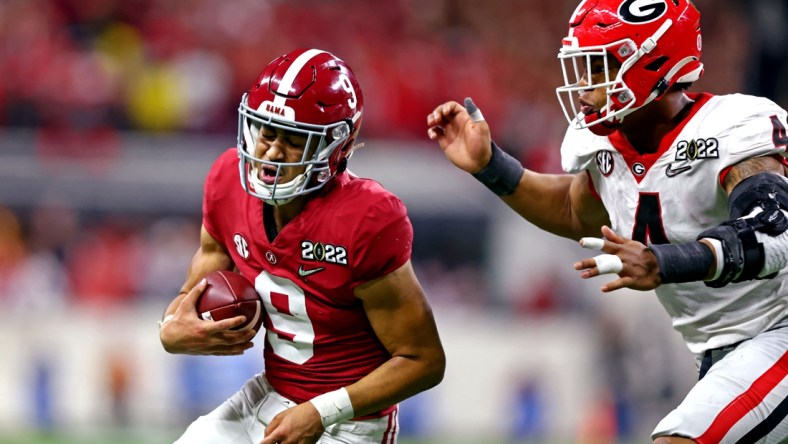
(309, 92)
(657, 42)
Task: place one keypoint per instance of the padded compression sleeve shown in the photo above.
(687, 262)
(502, 174)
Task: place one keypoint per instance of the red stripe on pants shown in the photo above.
(745, 402)
(390, 435)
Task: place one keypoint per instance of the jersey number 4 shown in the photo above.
(648, 220)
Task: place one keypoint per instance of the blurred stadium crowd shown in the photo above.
(79, 73)
(181, 65)
(78, 76)
(94, 65)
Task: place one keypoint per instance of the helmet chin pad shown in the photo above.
(597, 124)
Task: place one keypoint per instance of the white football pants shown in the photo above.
(743, 398)
(242, 420)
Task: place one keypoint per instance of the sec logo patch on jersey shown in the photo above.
(241, 245)
(604, 161)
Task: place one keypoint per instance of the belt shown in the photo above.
(714, 354)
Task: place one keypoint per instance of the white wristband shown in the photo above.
(333, 407)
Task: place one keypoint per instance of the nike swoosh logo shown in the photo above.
(671, 172)
(305, 273)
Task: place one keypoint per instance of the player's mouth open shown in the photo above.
(268, 174)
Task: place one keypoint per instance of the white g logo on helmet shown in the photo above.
(642, 11)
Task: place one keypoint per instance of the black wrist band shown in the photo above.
(502, 174)
(683, 262)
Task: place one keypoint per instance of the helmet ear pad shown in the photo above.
(339, 158)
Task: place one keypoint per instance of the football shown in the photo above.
(228, 294)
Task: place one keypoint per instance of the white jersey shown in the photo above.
(674, 194)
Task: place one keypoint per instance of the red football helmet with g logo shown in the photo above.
(309, 92)
(657, 43)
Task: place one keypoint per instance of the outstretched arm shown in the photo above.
(562, 204)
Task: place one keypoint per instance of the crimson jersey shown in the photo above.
(317, 336)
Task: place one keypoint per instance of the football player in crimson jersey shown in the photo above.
(348, 330)
(690, 194)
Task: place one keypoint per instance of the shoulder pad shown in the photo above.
(579, 148)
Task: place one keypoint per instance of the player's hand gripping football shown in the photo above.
(636, 266)
(462, 133)
(187, 334)
(297, 425)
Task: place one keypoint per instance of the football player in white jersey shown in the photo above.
(689, 192)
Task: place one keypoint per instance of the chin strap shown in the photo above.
(599, 126)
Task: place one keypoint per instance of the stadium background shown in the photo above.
(111, 112)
